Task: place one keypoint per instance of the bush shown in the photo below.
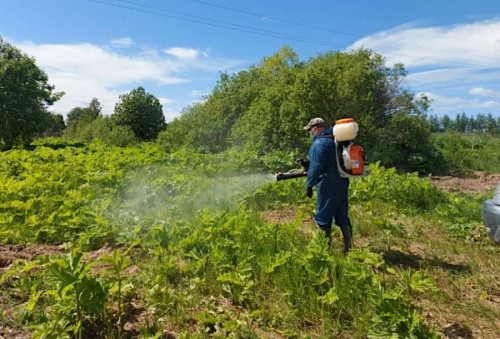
(103, 129)
(469, 152)
(403, 190)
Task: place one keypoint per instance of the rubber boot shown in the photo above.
(328, 235)
(347, 233)
(328, 232)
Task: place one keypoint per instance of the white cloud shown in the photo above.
(196, 93)
(445, 104)
(170, 113)
(121, 42)
(448, 59)
(85, 70)
(484, 92)
(184, 53)
(198, 59)
(473, 44)
(166, 101)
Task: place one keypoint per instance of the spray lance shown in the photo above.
(350, 159)
(294, 173)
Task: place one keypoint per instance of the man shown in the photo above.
(332, 190)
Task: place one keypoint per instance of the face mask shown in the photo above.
(311, 133)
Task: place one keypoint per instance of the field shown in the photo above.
(100, 241)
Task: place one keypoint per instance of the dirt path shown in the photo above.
(480, 182)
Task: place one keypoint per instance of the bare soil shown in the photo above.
(10, 253)
(17, 333)
(284, 215)
(478, 182)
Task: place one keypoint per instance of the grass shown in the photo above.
(466, 272)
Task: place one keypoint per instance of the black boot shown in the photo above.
(347, 233)
(328, 235)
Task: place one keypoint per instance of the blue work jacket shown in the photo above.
(323, 173)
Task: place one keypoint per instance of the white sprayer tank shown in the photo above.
(345, 129)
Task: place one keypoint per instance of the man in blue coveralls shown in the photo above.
(332, 190)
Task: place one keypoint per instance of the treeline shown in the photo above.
(265, 107)
(138, 116)
(463, 123)
(259, 110)
(26, 95)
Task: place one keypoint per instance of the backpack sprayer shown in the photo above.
(350, 157)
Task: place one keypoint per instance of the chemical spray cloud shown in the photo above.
(159, 195)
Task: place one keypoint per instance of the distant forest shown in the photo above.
(463, 123)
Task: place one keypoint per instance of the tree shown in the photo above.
(265, 107)
(491, 124)
(24, 96)
(86, 114)
(80, 120)
(447, 122)
(54, 125)
(75, 114)
(94, 109)
(142, 112)
(435, 124)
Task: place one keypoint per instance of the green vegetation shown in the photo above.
(163, 242)
(142, 112)
(465, 124)
(104, 235)
(468, 152)
(25, 95)
(138, 116)
(264, 108)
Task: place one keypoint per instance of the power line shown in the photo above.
(328, 29)
(216, 23)
(260, 16)
(248, 29)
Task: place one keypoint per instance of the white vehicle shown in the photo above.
(491, 215)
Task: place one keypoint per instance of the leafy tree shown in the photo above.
(480, 122)
(81, 119)
(75, 115)
(408, 145)
(54, 125)
(264, 108)
(491, 124)
(435, 123)
(447, 123)
(24, 96)
(86, 114)
(463, 123)
(94, 109)
(142, 112)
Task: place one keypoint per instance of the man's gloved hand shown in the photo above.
(309, 192)
(303, 163)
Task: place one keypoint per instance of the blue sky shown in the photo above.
(176, 49)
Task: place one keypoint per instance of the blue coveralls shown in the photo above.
(332, 190)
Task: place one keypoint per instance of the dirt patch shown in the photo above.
(284, 215)
(457, 331)
(11, 332)
(9, 253)
(479, 182)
